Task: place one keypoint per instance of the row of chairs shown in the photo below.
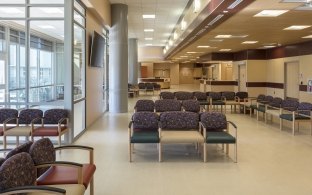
(164, 105)
(33, 123)
(149, 87)
(181, 127)
(32, 168)
(289, 109)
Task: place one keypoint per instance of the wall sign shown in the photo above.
(309, 86)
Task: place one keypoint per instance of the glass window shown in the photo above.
(12, 66)
(33, 67)
(45, 76)
(12, 1)
(46, 2)
(79, 8)
(47, 12)
(12, 12)
(78, 18)
(2, 71)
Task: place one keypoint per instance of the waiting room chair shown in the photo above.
(144, 106)
(216, 131)
(202, 98)
(251, 103)
(179, 127)
(215, 99)
(149, 87)
(25, 123)
(8, 120)
(183, 95)
(191, 106)
(142, 87)
(301, 114)
(273, 108)
(143, 128)
(165, 105)
(230, 99)
(53, 124)
(166, 95)
(261, 105)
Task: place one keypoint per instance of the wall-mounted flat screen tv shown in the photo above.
(97, 50)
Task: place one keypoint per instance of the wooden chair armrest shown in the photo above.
(37, 189)
(80, 147)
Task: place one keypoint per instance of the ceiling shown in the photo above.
(167, 14)
(267, 31)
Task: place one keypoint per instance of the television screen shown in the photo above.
(97, 50)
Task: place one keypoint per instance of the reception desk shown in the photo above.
(209, 85)
(163, 82)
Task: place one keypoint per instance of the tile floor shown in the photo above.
(270, 161)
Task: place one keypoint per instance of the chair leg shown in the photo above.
(205, 152)
(235, 152)
(130, 152)
(17, 141)
(281, 123)
(257, 115)
(159, 153)
(59, 140)
(92, 186)
(227, 149)
(293, 127)
(265, 117)
(5, 143)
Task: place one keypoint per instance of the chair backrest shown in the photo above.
(179, 120)
(42, 151)
(276, 102)
(53, 116)
(167, 105)
(19, 149)
(213, 121)
(145, 121)
(156, 85)
(149, 85)
(268, 98)
(183, 95)
(305, 108)
(17, 171)
(229, 95)
(260, 97)
(290, 104)
(191, 105)
(144, 105)
(200, 96)
(166, 95)
(6, 113)
(141, 85)
(27, 115)
(215, 95)
(241, 94)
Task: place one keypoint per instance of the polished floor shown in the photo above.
(270, 161)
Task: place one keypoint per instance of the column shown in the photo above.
(133, 61)
(118, 59)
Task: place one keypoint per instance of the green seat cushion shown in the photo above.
(215, 137)
(261, 108)
(145, 137)
(289, 117)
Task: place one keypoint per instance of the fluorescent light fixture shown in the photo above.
(234, 4)
(148, 39)
(268, 46)
(183, 24)
(297, 27)
(216, 40)
(149, 30)
(203, 46)
(10, 10)
(270, 13)
(148, 16)
(51, 10)
(183, 56)
(167, 47)
(190, 52)
(164, 50)
(46, 26)
(223, 36)
(196, 6)
(225, 49)
(249, 42)
(175, 35)
(308, 37)
(148, 44)
(170, 42)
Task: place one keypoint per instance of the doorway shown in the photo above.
(242, 77)
(291, 80)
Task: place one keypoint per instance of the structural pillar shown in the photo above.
(133, 61)
(118, 59)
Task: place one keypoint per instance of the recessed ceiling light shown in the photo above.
(308, 37)
(183, 56)
(46, 26)
(270, 13)
(148, 44)
(51, 10)
(148, 16)
(225, 49)
(148, 39)
(149, 30)
(203, 46)
(216, 40)
(249, 42)
(269, 46)
(190, 52)
(10, 10)
(223, 36)
(297, 27)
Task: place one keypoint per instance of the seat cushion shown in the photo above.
(289, 117)
(66, 175)
(181, 137)
(145, 137)
(47, 131)
(19, 131)
(219, 137)
(75, 189)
